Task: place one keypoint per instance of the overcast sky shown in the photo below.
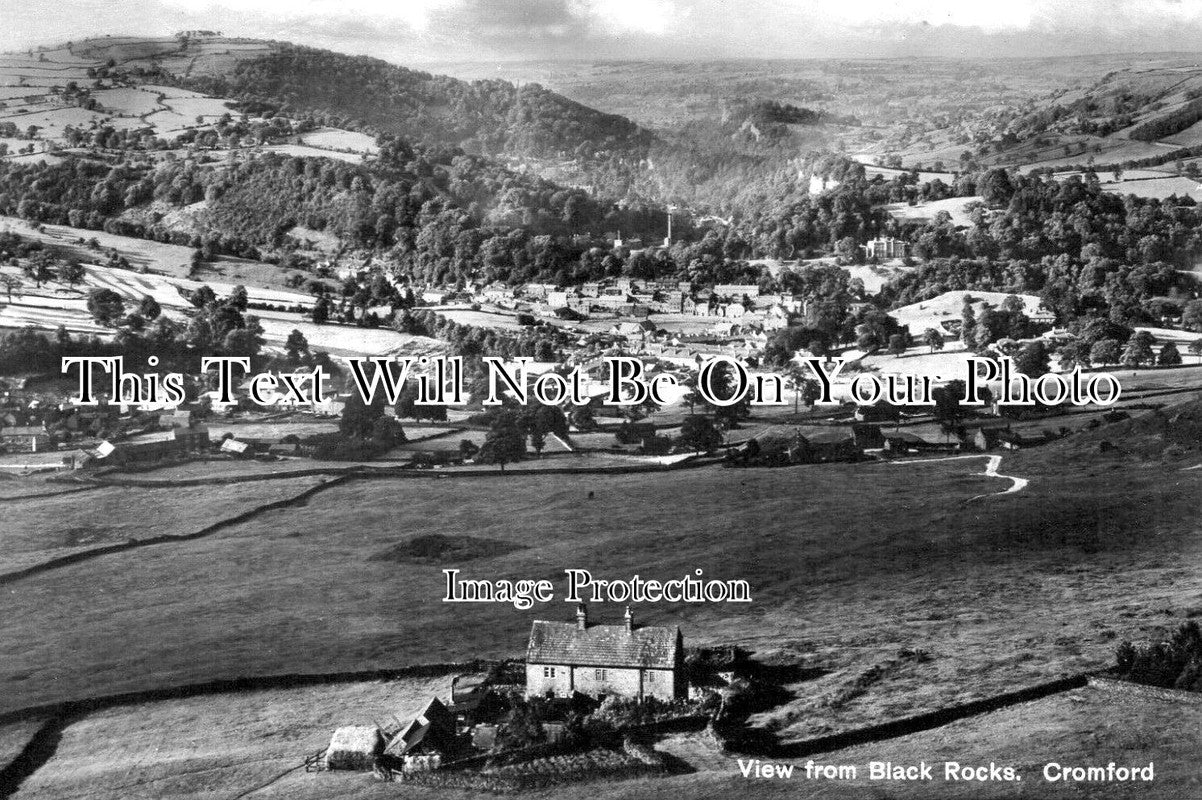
(444, 30)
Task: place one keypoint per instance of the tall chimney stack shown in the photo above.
(581, 617)
(629, 620)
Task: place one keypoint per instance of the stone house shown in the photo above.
(624, 660)
(24, 439)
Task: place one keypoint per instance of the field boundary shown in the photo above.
(42, 745)
(208, 530)
(74, 490)
(338, 477)
(366, 471)
(908, 725)
(1142, 691)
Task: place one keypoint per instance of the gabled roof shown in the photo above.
(434, 725)
(603, 645)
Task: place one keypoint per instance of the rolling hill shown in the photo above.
(490, 116)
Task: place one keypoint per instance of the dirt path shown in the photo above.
(991, 466)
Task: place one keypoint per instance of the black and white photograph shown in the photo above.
(600, 399)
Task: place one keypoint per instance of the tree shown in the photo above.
(968, 323)
(1105, 351)
(387, 431)
(1138, 350)
(149, 308)
(700, 434)
(810, 392)
(245, 341)
(358, 418)
(105, 306)
(582, 418)
(1013, 304)
(72, 272)
(296, 348)
(321, 310)
(722, 385)
(1195, 347)
(40, 267)
(1169, 356)
(12, 285)
(1191, 316)
(897, 345)
(1074, 353)
(932, 339)
(949, 409)
(204, 296)
(238, 298)
(1033, 360)
(505, 442)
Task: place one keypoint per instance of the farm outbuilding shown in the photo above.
(354, 747)
(430, 737)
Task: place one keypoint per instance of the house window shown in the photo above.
(548, 672)
(650, 677)
(599, 675)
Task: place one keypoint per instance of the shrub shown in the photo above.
(1175, 664)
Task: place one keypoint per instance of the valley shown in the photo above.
(198, 594)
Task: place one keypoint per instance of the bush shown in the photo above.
(1175, 664)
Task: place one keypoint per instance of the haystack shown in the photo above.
(354, 747)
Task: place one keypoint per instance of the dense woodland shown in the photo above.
(362, 93)
(441, 216)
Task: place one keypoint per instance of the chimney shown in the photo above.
(581, 617)
(629, 618)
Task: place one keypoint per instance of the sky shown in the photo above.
(413, 31)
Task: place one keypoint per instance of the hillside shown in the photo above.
(1142, 115)
(489, 116)
(1172, 434)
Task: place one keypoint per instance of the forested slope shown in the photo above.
(490, 116)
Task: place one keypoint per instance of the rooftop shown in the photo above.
(603, 645)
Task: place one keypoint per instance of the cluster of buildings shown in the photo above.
(575, 661)
(638, 299)
(37, 433)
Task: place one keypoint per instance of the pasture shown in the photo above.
(216, 746)
(40, 529)
(337, 139)
(302, 589)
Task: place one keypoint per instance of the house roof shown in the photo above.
(828, 436)
(904, 436)
(603, 645)
(28, 430)
(434, 725)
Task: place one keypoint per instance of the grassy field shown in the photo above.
(39, 529)
(894, 546)
(218, 745)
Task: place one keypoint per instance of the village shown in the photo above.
(663, 329)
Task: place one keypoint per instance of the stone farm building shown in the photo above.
(621, 660)
(24, 439)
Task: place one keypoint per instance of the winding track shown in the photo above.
(991, 465)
